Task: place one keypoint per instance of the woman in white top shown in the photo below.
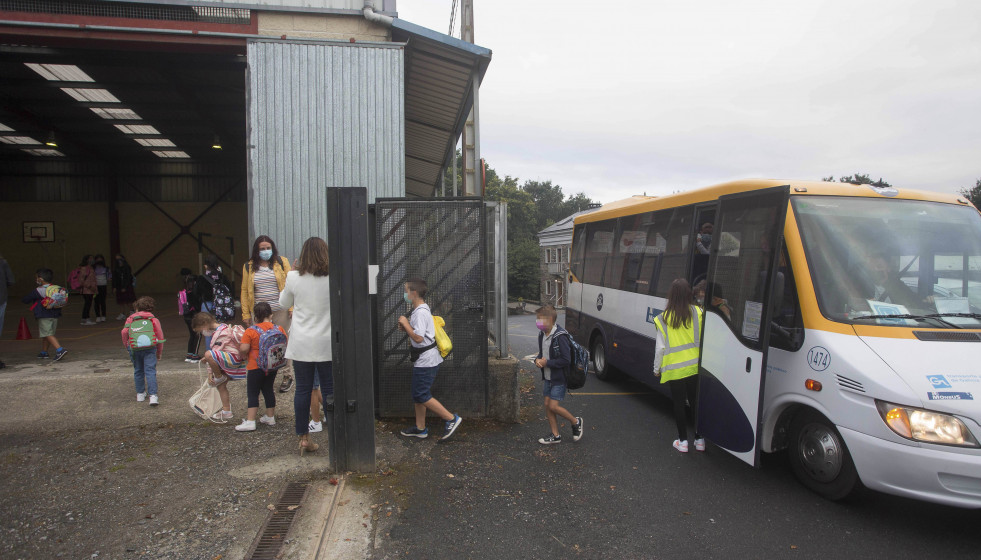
(307, 291)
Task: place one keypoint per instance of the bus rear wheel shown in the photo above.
(604, 371)
(819, 458)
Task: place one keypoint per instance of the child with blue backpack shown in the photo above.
(265, 344)
(555, 366)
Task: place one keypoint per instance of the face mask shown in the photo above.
(91, 262)
(265, 254)
(208, 332)
(405, 296)
(540, 325)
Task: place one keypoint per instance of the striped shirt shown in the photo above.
(266, 288)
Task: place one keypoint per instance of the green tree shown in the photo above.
(973, 194)
(524, 266)
(858, 179)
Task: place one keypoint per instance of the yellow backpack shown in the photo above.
(443, 341)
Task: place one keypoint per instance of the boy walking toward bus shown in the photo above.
(47, 317)
(143, 336)
(426, 359)
(554, 369)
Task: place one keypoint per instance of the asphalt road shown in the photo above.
(624, 492)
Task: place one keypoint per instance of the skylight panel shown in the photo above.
(94, 95)
(155, 142)
(137, 129)
(60, 72)
(43, 152)
(21, 140)
(5, 128)
(111, 113)
(171, 154)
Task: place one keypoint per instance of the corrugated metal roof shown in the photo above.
(439, 74)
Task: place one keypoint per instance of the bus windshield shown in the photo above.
(903, 263)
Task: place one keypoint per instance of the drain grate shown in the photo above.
(272, 534)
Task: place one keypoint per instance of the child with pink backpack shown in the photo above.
(223, 359)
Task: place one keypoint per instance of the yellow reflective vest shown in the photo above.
(680, 358)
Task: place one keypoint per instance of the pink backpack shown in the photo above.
(227, 338)
(75, 279)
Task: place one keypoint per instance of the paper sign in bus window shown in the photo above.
(883, 308)
(751, 320)
(729, 243)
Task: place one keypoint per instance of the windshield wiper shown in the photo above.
(938, 317)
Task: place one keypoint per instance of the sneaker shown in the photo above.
(416, 432)
(120, 317)
(267, 420)
(88, 322)
(193, 359)
(315, 427)
(287, 384)
(550, 439)
(700, 444)
(577, 429)
(154, 401)
(227, 414)
(43, 356)
(60, 354)
(246, 426)
(140, 397)
(681, 445)
(100, 319)
(451, 427)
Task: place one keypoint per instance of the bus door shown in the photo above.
(745, 247)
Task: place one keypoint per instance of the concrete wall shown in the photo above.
(83, 227)
(322, 26)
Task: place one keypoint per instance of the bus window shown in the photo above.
(702, 244)
(578, 246)
(787, 332)
(599, 245)
(624, 272)
(677, 244)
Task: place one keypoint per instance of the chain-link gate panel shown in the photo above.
(442, 242)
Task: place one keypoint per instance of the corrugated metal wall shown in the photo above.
(320, 116)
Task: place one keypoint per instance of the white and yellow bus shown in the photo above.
(843, 323)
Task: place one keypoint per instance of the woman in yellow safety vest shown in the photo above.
(676, 356)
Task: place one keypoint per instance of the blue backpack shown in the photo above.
(272, 349)
(576, 376)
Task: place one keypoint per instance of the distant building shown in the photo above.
(556, 244)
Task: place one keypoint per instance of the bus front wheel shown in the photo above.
(604, 371)
(819, 458)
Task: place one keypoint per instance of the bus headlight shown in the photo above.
(925, 425)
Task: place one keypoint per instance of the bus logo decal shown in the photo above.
(949, 396)
(939, 381)
(652, 314)
(599, 302)
(818, 358)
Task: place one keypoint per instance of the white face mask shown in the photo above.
(208, 332)
(265, 254)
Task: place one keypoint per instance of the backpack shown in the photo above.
(184, 307)
(141, 333)
(575, 377)
(272, 349)
(443, 341)
(224, 304)
(227, 338)
(54, 297)
(75, 279)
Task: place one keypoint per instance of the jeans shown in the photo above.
(87, 306)
(145, 370)
(422, 383)
(304, 373)
(681, 389)
(208, 307)
(100, 302)
(259, 381)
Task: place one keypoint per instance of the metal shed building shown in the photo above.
(134, 95)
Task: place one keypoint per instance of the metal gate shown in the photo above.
(443, 242)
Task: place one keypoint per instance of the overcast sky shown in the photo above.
(675, 95)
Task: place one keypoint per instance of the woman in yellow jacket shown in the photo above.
(263, 278)
(676, 356)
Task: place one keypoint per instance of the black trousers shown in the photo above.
(192, 339)
(87, 306)
(100, 302)
(682, 389)
(258, 381)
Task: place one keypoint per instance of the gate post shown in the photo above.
(351, 417)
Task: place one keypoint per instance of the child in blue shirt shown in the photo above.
(47, 319)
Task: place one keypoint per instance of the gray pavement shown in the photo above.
(624, 492)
